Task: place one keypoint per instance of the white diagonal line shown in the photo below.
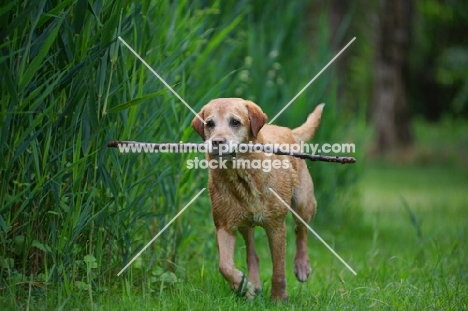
(315, 233)
(310, 82)
(161, 79)
(160, 232)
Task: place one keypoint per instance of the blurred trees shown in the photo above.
(439, 59)
(390, 105)
(410, 59)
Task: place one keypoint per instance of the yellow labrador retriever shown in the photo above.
(240, 194)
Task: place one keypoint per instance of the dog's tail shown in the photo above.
(307, 130)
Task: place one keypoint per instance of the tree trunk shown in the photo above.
(336, 16)
(390, 108)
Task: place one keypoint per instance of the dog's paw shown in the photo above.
(246, 289)
(302, 269)
(251, 291)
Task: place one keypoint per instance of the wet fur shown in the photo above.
(241, 199)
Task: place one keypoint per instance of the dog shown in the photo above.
(240, 196)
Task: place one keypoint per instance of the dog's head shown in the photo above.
(229, 121)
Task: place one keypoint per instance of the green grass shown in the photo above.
(397, 268)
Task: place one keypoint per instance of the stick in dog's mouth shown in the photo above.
(222, 150)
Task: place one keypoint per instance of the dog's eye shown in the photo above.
(210, 124)
(235, 122)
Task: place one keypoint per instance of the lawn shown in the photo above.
(398, 268)
(409, 251)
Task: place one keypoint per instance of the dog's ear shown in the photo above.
(256, 116)
(198, 125)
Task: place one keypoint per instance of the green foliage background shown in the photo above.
(72, 211)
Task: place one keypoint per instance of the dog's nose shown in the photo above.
(218, 141)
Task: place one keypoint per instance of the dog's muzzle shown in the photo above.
(220, 147)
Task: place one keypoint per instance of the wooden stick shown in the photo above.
(191, 147)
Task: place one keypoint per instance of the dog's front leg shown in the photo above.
(277, 241)
(238, 280)
(252, 257)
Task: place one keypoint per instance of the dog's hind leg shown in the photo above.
(252, 257)
(305, 205)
